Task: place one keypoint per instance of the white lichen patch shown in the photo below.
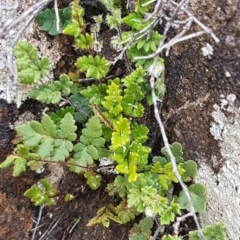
(223, 189)
(207, 50)
(107, 166)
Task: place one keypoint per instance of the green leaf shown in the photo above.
(115, 20)
(142, 230)
(46, 19)
(113, 100)
(85, 41)
(94, 93)
(48, 125)
(8, 162)
(41, 194)
(47, 139)
(61, 149)
(83, 157)
(119, 186)
(210, 232)
(139, 132)
(19, 163)
(190, 168)
(104, 215)
(121, 136)
(67, 128)
(133, 160)
(66, 134)
(19, 166)
(72, 29)
(177, 152)
(91, 146)
(95, 67)
(197, 192)
(46, 93)
(169, 214)
(65, 84)
(59, 114)
(161, 160)
(40, 135)
(51, 92)
(93, 179)
(146, 224)
(22, 151)
(77, 26)
(124, 213)
(32, 133)
(30, 68)
(135, 21)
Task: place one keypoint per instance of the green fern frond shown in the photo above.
(52, 92)
(30, 67)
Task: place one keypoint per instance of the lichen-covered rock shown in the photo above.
(207, 125)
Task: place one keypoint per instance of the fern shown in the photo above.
(42, 193)
(66, 135)
(104, 215)
(51, 92)
(59, 114)
(165, 174)
(40, 140)
(19, 164)
(113, 100)
(211, 232)
(30, 68)
(39, 135)
(90, 148)
(119, 186)
(95, 93)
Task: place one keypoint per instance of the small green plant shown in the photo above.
(109, 114)
(141, 231)
(212, 232)
(30, 68)
(40, 194)
(52, 91)
(46, 19)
